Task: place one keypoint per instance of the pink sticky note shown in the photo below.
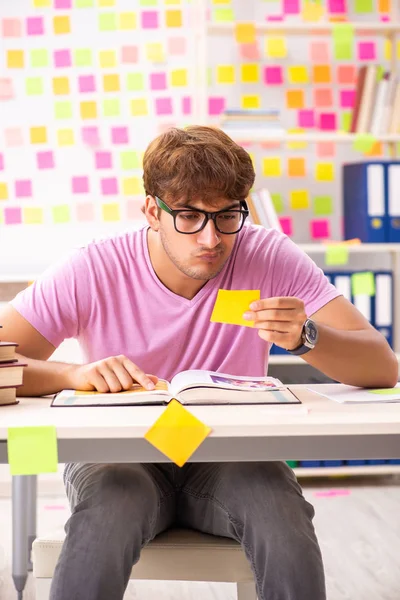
(291, 7)
(158, 81)
(149, 19)
(129, 54)
(347, 98)
(86, 83)
(176, 46)
(90, 136)
(6, 88)
(45, 160)
(13, 137)
(163, 106)
(275, 17)
(85, 212)
(306, 118)
(11, 28)
(55, 507)
(62, 4)
(323, 97)
(1, 162)
(319, 52)
(186, 105)
(109, 186)
(62, 58)
(23, 188)
(216, 105)
(34, 26)
(346, 74)
(331, 493)
(103, 160)
(326, 149)
(287, 225)
(367, 51)
(134, 210)
(273, 75)
(80, 185)
(250, 51)
(119, 135)
(12, 216)
(327, 121)
(337, 7)
(320, 229)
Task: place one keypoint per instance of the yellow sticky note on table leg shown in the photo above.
(32, 450)
(232, 304)
(177, 433)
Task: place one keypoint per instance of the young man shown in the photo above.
(140, 305)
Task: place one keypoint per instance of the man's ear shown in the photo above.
(150, 209)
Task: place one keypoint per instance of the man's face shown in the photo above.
(199, 255)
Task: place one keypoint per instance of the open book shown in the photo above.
(189, 387)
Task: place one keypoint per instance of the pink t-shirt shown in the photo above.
(108, 296)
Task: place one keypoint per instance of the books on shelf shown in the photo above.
(377, 102)
(194, 387)
(233, 121)
(11, 373)
(262, 210)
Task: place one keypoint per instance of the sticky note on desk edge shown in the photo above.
(230, 306)
(177, 433)
(32, 450)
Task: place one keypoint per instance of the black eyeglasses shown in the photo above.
(192, 221)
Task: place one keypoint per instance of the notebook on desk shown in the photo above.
(347, 394)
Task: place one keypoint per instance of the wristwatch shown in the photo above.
(309, 338)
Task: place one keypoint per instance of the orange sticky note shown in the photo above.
(231, 305)
(177, 433)
(296, 167)
(295, 98)
(322, 74)
(245, 33)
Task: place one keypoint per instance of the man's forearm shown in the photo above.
(43, 377)
(361, 358)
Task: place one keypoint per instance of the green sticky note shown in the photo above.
(323, 205)
(336, 254)
(135, 82)
(84, 3)
(345, 118)
(130, 160)
(148, 2)
(39, 58)
(363, 284)
(223, 15)
(386, 392)
(364, 142)
(107, 21)
(61, 213)
(343, 41)
(32, 450)
(111, 107)
(364, 6)
(34, 86)
(83, 57)
(277, 201)
(63, 110)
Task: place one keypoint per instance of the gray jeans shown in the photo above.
(118, 508)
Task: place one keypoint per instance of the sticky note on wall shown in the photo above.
(245, 33)
(32, 450)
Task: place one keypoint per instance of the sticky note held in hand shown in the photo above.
(232, 304)
(32, 450)
(177, 433)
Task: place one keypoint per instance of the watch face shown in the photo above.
(311, 332)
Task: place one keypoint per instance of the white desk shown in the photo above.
(239, 433)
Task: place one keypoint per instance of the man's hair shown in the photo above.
(197, 161)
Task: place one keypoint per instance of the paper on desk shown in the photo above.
(347, 394)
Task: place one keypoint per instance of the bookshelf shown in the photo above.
(247, 135)
(309, 28)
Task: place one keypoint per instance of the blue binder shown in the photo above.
(393, 201)
(364, 201)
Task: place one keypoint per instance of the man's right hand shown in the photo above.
(113, 374)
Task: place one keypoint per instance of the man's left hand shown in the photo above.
(279, 320)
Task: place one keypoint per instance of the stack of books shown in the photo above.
(262, 210)
(263, 121)
(377, 102)
(11, 373)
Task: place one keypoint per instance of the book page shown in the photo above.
(198, 378)
(136, 395)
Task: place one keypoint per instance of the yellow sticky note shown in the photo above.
(312, 11)
(177, 433)
(324, 171)
(88, 110)
(41, 3)
(275, 47)
(155, 52)
(298, 74)
(32, 215)
(65, 137)
(111, 212)
(107, 59)
(179, 77)
(225, 74)
(15, 59)
(32, 450)
(139, 107)
(38, 135)
(111, 82)
(3, 191)
(250, 73)
(61, 25)
(231, 305)
(299, 199)
(245, 33)
(61, 86)
(132, 186)
(272, 167)
(251, 101)
(173, 18)
(296, 145)
(127, 20)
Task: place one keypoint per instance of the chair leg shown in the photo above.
(246, 591)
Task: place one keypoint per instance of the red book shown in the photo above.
(359, 93)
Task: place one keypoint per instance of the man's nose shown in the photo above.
(209, 236)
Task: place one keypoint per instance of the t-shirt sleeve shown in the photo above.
(57, 304)
(296, 274)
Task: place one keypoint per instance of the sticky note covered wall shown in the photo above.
(311, 80)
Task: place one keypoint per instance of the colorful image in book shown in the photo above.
(244, 383)
(161, 385)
